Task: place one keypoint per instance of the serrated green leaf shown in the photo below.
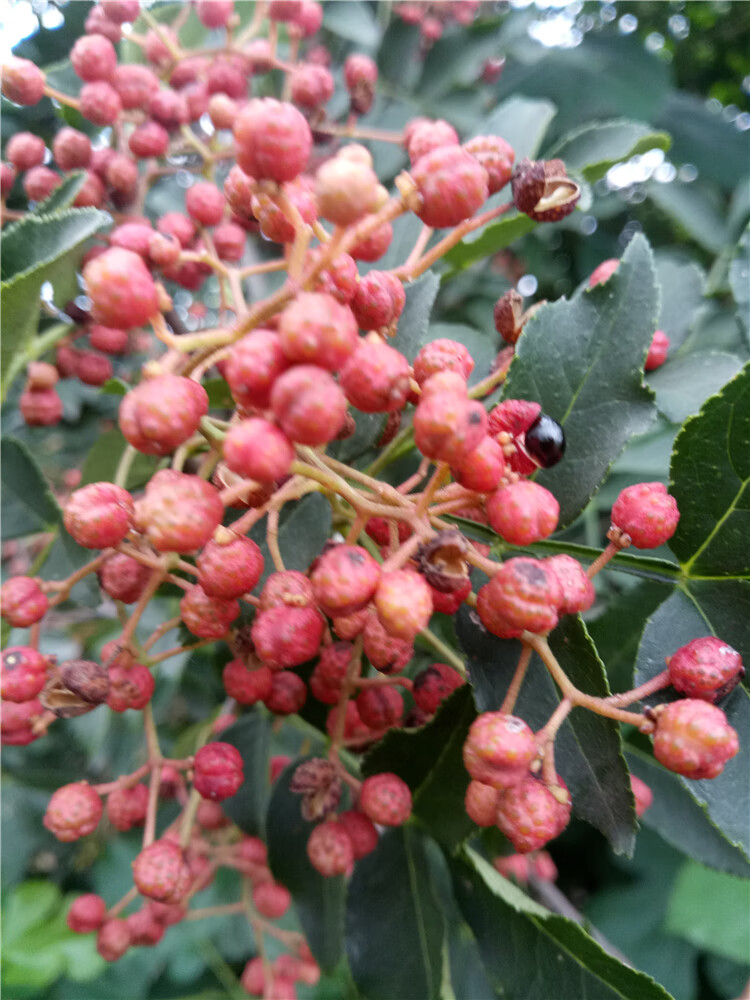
(394, 926)
(683, 384)
(526, 949)
(492, 239)
(319, 901)
(354, 21)
(693, 211)
(712, 911)
(588, 751)
(429, 760)
(681, 821)
(27, 502)
(64, 195)
(704, 608)
(739, 278)
(251, 735)
(710, 479)
(415, 318)
(595, 147)
(583, 361)
(682, 286)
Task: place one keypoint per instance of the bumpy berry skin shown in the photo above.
(433, 685)
(207, 617)
(126, 807)
(218, 771)
(647, 513)
(113, 939)
(373, 246)
(317, 329)
(499, 749)
(289, 588)
(273, 140)
(452, 186)
(100, 103)
(253, 366)
(344, 579)
(136, 85)
(481, 469)
(23, 673)
(513, 416)
(346, 189)
(385, 799)
(523, 512)
(94, 58)
(204, 203)
(378, 300)
(442, 355)
(705, 668)
(161, 872)
(360, 77)
(422, 135)
(330, 850)
(449, 603)
(99, 515)
(447, 425)
(361, 832)
(642, 794)
(340, 278)
(229, 565)
(403, 602)
(179, 513)
(530, 815)
(16, 722)
(161, 413)
(603, 272)
(122, 291)
(257, 449)
(145, 929)
(244, 685)
(287, 636)
(311, 85)
(25, 150)
(480, 803)
(41, 408)
(386, 652)
(376, 378)
(273, 223)
(693, 738)
(107, 339)
(380, 707)
(271, 899)
(130, 687)
(309, 404)
(23, 82)
(86, 914)
(23, 602)
(73, 811)
(657, 352)
(495, 155)
(577, 590)
(40, 182)
(330, 670)
(522, 593)
(287, 695)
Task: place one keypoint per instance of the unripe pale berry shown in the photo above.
(523, 512)
(576, 588)
(647, 513)
(308, 404)
(287, 636)
(530, 815)
(257, 449)
(126, 807)
(218, 771)
(245, 685)
(317, 329)
(403, 602)
(121, 289)
(287, 695)
(86, 913)
(523, 594)
(376, 378)
(330, 850)
(130, 687)
(73, 811)
(344, 579)
(346, 190)
(385, 799)
(273, 140)
(480, 803)
(99, 515)
(433, 685)
(23, 602)
(705, 668)
(161, 872)
(23, 673)
(161, 413)
(179, 513)
(693, 738)
(499, 749)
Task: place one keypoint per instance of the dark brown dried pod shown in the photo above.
(507, 313)
(244, 647)
(318, 783)
(85, 678)
(442, 561)
(543, 191)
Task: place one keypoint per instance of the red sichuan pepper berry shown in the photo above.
(499, 749)
(287, 695)
(86, 913)
(99, 515)
(257, 449)
(161, 413)
(705, 668)
(73, 811)
(330, 850)
(113, 939)
(309, 404)
(480, 803)
(523, 594)
(121, 289)
(380, 707)
(218, 771)
(23, 673)
(247, 686)
(523, 512)
(452, 185)
(205, 616)
(657, 352)
(161, 872)
(126, 807)
(271, 899)
(23, 602)
(385, 799)
(344, 579)
(433, 685)
(130, 687)
(179, 513)
(530, 815)
(329, 673)
(229, 565)
(647, 513)
(361, 831)
(287, 636)
(273, 140)
(693, 738)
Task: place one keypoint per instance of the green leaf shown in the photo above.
(304, 529)
(251, 735)
(457, 60)
(30, 904)
(27, 502)
(493, 238)
(739, 278)
(710, 479)
(430, 761)
(595, 147)
(689, 613)
(64, 195)
(394, 925)
(682, 286)
(103, 459)
(712, 911)
(368, 429)
(683, 384)
(583, 361)
(678, 819)
(415, 318)
(482, 345)
(354, 21)
(219, 396)
(588, 752)
(319, 901)
(526, 949)
(691, 210)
